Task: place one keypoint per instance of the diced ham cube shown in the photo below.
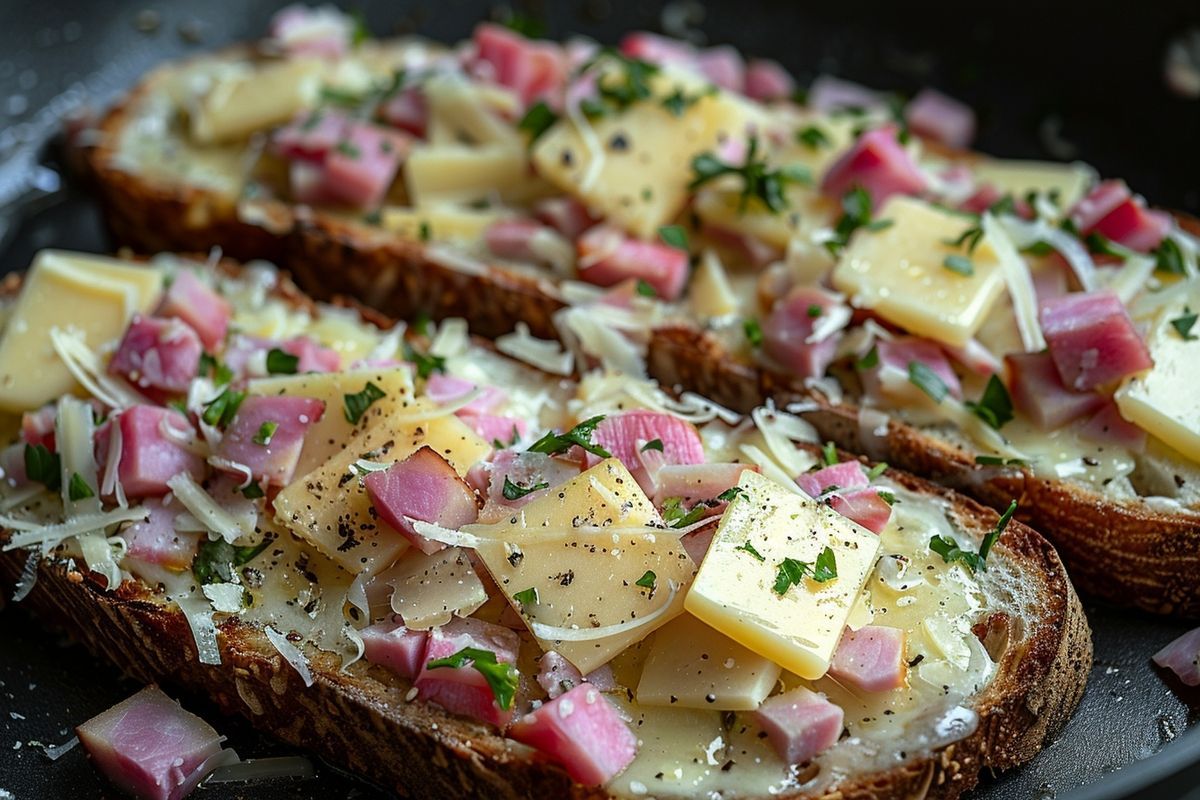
(396, 647)
(864, 506)
(464, 690)
(744, 247)
(800, 724)
(197, 304)
(530, 241)
(526, 470)
(148, 458)
(533, 69)
(150, 747)
(310, 135)
(313, 357)
(1038, 392)
(407, 110)
(941, 118)
(359, 170)
(1182, 656)
(581, 731)
(878, 163)
(154, 540)
(422, 487)
(566, 215)
(724, 66)
(37, 427)
(1133, 225)
(1107, 426)
(768, 80)
(495, 427)
(607, 257)
(697, 543)
(789, 327)
(845, 475)
(159, 355)
(1098, 204)
(1092, 339)
(660, 50)
(890, 377)
(870, 659)
(12, 466)
(557, 675)
(624, 434)
(270, 455)
(444, 389)
(828, 94)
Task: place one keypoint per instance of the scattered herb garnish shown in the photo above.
(1183, 324)
(1099, 244)
(1169, 258)
(361, 32)
(216, 559)
(825, 569)
(515, 491)
(502, 677)
(516, 437)
(265, 432)
(754, 333)
(856, 213)
(282, 363)
(78, 488)
(647, 581)
(581, 435)
(886, 496)
(730, 494)
(812, 137)
(423, 231)
(537, 120)
(221, 410)
(426, 364)
(620, 88)
(348, 149)
(951, 552)
(674, 235)
(653, 444)
(877, 470)
(995, 405)
(252, 491)
(815, 311)
(527, 597)
(960, 264)
(674, 514)
(791, 572)
(759, 181)
(868, 361)
(355, 405)
(645, 289)
(678, 101)
(829, 454)
(746, 547)
(221, 374)
(43, 466)
(969, 239)
(924, 378)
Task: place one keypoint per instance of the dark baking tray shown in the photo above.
(1092, 73)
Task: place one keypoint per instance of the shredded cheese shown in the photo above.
(548, 356)
(199, 615)
(451, 338)
(291, 654)
(1019, 282)
(28, 533)
(203, 507)
(557, 633)
(87, 368)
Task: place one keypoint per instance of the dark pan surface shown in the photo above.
(1097, 72)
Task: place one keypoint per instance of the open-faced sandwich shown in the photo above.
(1013, 329)
(458, 575)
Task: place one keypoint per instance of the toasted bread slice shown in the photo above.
(363, 717)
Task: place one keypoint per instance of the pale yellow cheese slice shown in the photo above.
(241, 102)
(1019, 178)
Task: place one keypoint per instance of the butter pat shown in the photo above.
(93, 294)
(900, 272)
(734, 590)
(1162, 401)
(693, 666)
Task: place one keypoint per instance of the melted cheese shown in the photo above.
(1019, 178)
(431, 589)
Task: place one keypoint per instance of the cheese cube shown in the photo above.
(461, 111)
(693, 666)
(457, 174)
(244, 101)
(1162, 401)
(440, 224)
(734, 591)
(1021, 177)
(710, 294)
(93, 294)
(900, 272)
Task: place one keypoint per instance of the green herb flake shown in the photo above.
(216, 559)
(252, 491)
(537, 120)
(527, 597)
(754, 333)
(759, 182)
(348, 149)
(960, 264)
(653, 444)
(426, 364)
(78, 489)
(502, 677)
(869, 361)
(525, 24)
(950, 552)
(924, 378)
(674, 236)
(644, 288)
(970, 239)
(829, 454)
(43, 466)
(674, 514)
(209, 365)
(730, 494)
(556, 443)
(282, 363)
(515, 491)
(355, 405)
(265, 432)
(220, 411)
(791, 571)
(746, 547)
(648, 580)
(360, 33)
(815, 311)
(877, 470)
(679, 101)
(856, 214)
(1183, 324)
(995, 406)
(813, 138)
(1168, 257)
(825, 568)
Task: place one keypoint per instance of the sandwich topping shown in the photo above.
(662, 596)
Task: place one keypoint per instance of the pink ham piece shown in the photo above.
(941, 118)
(607, 257)
(197, 304)
(148, 458)
(697, 543)
(697, 482)
(1111, 210)
(623, 435)
(557, 675)
(975, 357)
(1038, 392)
(275, 461)
(528, 240)
(359, 170)
(845, 475)
(864, 506)
(396, 647)
(313, 357)
(724, 66)
(566, 215)
(407, 110)
(878, 163)
(154, 540)
(583, 732)
(246, 355)
(532, 69)
(1092, 339)
(310, 135)
(828, 94)
(150, 747)
(745, 248)
(1182, 657)
(1097, 204)
(464, 690)
(301, 30)
(660, 50)
(37, 427)
(1107, 426)
(12, 466)
(159, 355)
(800, 724)
(495, 427)
(444, 389)
(790, 325)
(895, 355)
(870, 659)
(526, 470)
(422, 487)
(768, 80)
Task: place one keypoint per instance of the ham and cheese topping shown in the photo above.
(596, 568)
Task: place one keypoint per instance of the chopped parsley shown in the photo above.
(674, 235)
(812, 137)
(969, 239)
(754, 333)
(791, 571)
(501, 676)
(868, 361)
(348, 149)
(1169, 258)
(423, 231)
(620, 88)
(221, 374)
(1099, 244)
(829, 454)
(924, 378)
(221, 410)
(78, 489)
(648, 580)
(216, 559)
(265, 432)
(252, 491)
(815, 311)
(43, 466)
(282, 363)
(355, 405)
(730, 494)
(645, 289)
(995, 405)
(746, 547)
(515, 491)
(877, 470)
(1183, 324)
(951, 552)
(516, 437)
(856, 213)
(759, 181)
(679, 101)
(527, 597)
(426, 364)
(653, 444)
(674, 514)
(537, 120)
(361, 32)
(581, 435)
(960, 264)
